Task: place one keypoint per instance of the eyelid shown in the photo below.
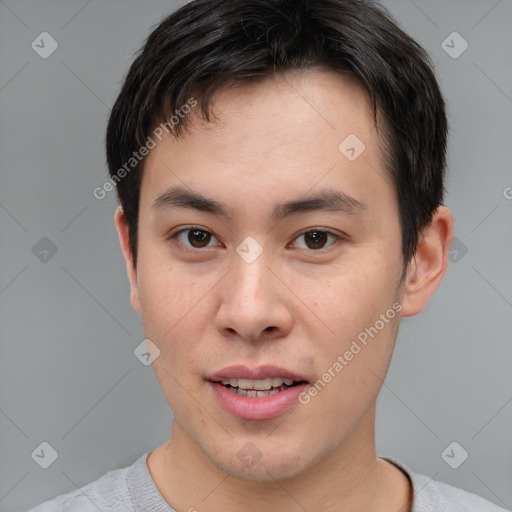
(185, 227)
(317, 228)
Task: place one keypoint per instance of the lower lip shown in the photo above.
(257, 408)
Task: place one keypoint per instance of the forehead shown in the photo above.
(285, 133)
(299, 106)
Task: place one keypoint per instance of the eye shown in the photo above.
(193, 237)
(317, 238)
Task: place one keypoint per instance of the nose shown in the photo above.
(255, 305)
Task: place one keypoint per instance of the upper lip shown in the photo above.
(241, 371)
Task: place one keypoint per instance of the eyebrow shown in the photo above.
(326, 199)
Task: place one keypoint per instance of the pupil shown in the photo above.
(318, 239)
(198, 235)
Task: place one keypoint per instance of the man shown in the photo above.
(280, 171)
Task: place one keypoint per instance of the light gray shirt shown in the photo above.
(131, 489)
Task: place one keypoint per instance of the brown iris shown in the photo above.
(317, 238)
(199, 238)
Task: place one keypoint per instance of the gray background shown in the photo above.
(68, 375)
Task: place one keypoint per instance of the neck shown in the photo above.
(351, 478)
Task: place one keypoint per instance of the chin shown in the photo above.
(268, 464)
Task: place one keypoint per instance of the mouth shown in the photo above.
(260, 387)
(256, 393)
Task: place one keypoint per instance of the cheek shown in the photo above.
(174, 313)
(349, 308)
(167, 296)
(350, 380)
(351, 297)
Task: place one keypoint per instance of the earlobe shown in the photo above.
(428, 266)
(124, 240)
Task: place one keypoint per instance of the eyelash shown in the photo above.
(175, 235)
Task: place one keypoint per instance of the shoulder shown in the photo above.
(466, 501)
(109, 492)
(434, 496)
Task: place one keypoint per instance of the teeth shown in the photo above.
(252, 393)
(259, 385)
(276, 382)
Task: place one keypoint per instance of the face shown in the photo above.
(266, 288)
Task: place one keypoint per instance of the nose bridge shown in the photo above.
(251, 303)
(250, 285)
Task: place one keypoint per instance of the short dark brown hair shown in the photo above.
(209, 44)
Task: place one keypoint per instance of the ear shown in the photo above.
(123, 232)
(429, 263)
